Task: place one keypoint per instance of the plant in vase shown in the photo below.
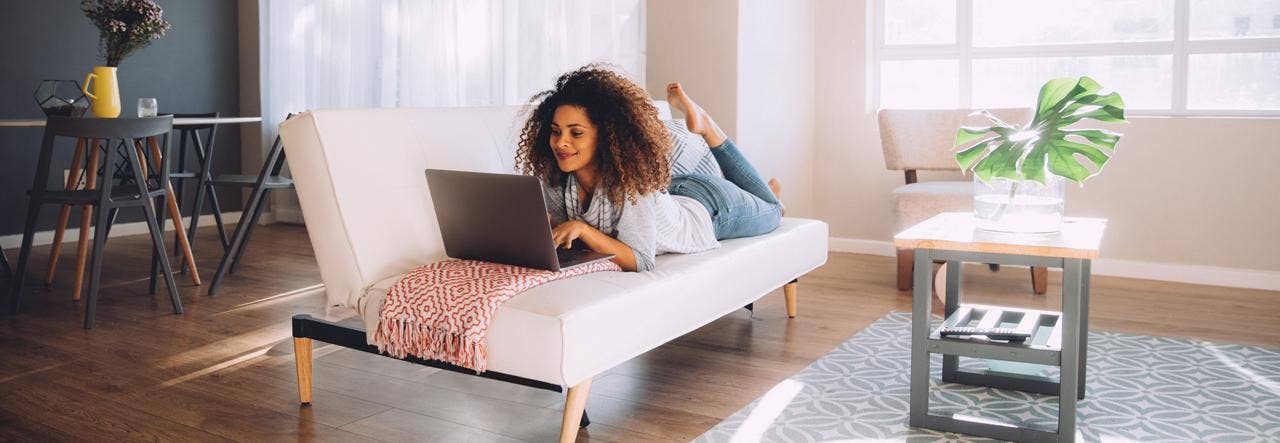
(1020, 173)
(124, 26)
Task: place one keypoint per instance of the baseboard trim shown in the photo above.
(1181, 273)
(118, 230)
(860, 246)
(284, 215)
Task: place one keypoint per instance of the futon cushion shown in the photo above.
(569, 330)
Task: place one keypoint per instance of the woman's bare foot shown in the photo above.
(697, 119)
(776, 187)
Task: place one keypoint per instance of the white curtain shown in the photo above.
(393, 53)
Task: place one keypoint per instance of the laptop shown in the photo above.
(499, 218)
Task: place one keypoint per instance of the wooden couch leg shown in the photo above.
(906, 259)
(1039, 279)
(574, 404)
(302, 359)
(789, 290)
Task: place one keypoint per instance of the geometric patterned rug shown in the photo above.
(1139, 388)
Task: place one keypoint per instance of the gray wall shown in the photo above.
(194, 68)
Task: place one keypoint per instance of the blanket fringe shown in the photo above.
(402, 337)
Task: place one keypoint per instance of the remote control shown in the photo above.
(991, 333)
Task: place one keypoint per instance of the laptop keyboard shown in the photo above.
(568, 255)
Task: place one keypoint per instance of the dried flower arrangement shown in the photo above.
(124, 26)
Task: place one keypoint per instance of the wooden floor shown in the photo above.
(224, 369)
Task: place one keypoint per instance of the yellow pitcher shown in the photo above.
(106, 95)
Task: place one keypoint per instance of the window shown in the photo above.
(1166, 57)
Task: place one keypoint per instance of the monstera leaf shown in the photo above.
(1004, 150)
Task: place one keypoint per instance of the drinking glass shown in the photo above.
(147, 107)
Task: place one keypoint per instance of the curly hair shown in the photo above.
(632, 143)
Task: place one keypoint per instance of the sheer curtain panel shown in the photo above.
(419, 53)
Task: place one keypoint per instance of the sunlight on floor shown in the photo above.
(243, 347)
(216, 367)
(767, 410)
(1270, 385)
(255, 343)
(282, 295)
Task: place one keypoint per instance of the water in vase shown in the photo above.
(1026, 207)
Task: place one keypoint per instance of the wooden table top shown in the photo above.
(955, 231)
(39, 122)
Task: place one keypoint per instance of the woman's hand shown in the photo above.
(564, 234)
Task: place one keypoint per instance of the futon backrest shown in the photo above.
(360, 182)
(922, 138)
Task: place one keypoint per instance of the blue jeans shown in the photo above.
(741, 204)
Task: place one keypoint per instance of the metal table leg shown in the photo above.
(951, 363)
(920, 301)
(1070, 381)
(1086, 273)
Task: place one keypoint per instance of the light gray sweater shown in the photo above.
(657, 223)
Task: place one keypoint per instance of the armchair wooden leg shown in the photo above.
(789, 291)
(906, 259)
(1039, 279)
(574, 404)
(302, 359)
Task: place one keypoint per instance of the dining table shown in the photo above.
(73, 180)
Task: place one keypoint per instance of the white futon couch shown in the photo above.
(359, 178)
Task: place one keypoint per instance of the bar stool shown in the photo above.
(202, 139)
(268, 178)
(124, 134)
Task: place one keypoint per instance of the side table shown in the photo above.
(1059, 338)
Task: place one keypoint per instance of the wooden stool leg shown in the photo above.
(1039, 279)
(65, 213)
(177, 219)
(86, 217)
(905, 262)
(574, 404)
(302, 360)
(789, 291)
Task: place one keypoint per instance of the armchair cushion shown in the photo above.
(917, 202)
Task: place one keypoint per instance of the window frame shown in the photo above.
(963, 51)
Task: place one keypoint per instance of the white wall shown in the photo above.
(1185, 191)
(776, 96)
(696, 44)
(750, 64)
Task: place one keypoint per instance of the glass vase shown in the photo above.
(1019, 206)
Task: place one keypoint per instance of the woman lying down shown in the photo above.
(612, 181)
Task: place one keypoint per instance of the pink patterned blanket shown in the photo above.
(442, 311)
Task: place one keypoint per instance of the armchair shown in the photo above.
(918, 139)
